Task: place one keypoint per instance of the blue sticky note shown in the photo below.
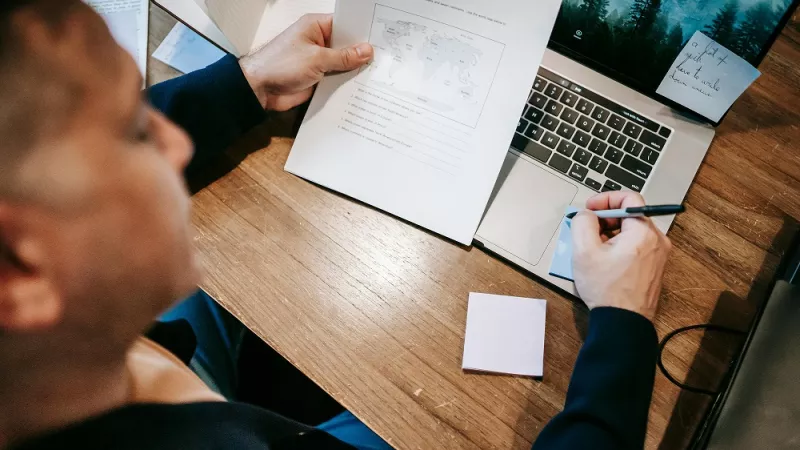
(561, 266)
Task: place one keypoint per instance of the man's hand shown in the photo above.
(618, 263)
(283, 73)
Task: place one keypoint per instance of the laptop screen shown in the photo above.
(636, 41)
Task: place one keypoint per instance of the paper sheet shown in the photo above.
(128, 21)
(192, 14)
(505, 335)
(707, 77)
(561, 266)
(422, 132)
(283, 13)
(186, 51)
(239, 19)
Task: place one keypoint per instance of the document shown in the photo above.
(423, 130)
(128, 21)
(505, 335)
(707, 77)
(186, 51)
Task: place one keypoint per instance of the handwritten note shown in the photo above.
(187, 51)
(707, 77)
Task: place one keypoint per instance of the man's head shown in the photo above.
(94, 234)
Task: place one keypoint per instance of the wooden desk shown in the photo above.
(373, 309)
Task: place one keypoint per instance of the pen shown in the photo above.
(642, 211)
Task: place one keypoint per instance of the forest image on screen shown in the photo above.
(641, 38)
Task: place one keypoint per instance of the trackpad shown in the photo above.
(526, 209)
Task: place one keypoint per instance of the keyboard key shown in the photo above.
(581, 138)
(585, 106)
(582, 156)
(534, 132)
(632, 130)
(633, 147)
(570, 116)
(519, 142)
(617, 140)
(566, 148)
(593, 184)
(665, 132)
(611, 186)
(601, 115)
(601, 131)
(637, 167)
(522, 126)
(616, 122)
(597, 146)
(569, 99)
(560, 163)
(538, 151)
(614, 155)
(650, 155)
(585, 123)
(534, 115)
(598, 164)
(553, 91)
(566, 131)
(550, 122)
(539, 84)
(554, 108)
(578, 172)
(550, 140)
(538, 100)
(625, 178)
(651, 140)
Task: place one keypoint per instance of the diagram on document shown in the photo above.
(440, 68)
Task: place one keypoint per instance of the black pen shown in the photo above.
(641, 211)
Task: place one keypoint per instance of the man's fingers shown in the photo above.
(346, 59)
(614, 200)
(585, 232)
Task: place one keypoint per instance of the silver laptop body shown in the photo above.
(530, 197)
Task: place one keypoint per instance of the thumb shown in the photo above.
(346, 59)
(585, 232)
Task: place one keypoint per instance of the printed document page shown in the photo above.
(422, 131)
(127, 20)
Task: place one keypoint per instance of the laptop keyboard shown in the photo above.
(587, 137)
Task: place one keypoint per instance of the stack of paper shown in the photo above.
(505, 335)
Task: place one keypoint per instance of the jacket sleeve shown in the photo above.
(214, 105)
(611, 387)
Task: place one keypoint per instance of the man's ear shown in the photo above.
(29, 300)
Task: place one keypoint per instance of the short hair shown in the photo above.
(24, 112)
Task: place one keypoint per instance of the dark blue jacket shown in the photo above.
(608, 397)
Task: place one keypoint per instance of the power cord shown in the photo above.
(667, 338)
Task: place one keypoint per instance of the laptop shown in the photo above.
(594, 122)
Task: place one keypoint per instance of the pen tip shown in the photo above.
(572, 215)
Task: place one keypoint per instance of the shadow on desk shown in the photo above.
(718, 351)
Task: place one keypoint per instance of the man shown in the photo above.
(95, 244)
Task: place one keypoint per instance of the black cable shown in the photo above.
(667, 338)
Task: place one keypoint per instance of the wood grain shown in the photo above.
(373, 308)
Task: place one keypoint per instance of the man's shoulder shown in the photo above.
(211, 425)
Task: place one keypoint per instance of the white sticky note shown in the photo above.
(505, 335)
(186, 51)
(707, 77)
